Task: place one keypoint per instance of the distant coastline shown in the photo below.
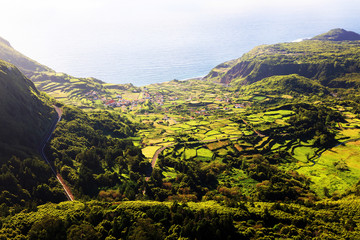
(193, 52)
(193, 78)
(301, 39)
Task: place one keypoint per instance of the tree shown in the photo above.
(145, 229)
(84, 231)
(48, 228)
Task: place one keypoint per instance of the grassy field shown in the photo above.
(218, 144)
(204, 154)
(303, 153)
(150, 151)
(169, 173)
(190, 153)
(325, 174)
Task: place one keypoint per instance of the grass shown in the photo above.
(190, 153)
(239, 179)
(279, 112)
(218, 144)
(212, 132)
(149, 151)
(204, 154)
(193, 123)
(325, 174)
(208, 138)
(235, 132)
(156, 140)
(351, 133)
(219, 125)
(301, 152)
(222, 152)
(169, 173)
(281, 122)
(131, 96)
(248, 133)
(259, 98)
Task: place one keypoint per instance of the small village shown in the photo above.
(145, 97)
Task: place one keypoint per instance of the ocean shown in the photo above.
(141, 56)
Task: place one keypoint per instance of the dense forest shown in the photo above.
(91, 152)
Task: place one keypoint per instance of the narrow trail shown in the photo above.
(256, 131)
(67, 190)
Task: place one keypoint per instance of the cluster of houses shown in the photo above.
(120, 102)
(157, 98)
(222, 100)
(201, 111)
(92, 95)
(117, 102)
(242, 105)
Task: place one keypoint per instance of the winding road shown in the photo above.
(67, 190)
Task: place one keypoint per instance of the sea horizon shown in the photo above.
(161, 52)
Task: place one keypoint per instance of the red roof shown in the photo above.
(110, 102)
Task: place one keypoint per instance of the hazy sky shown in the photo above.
(40, 28)
(37, 17)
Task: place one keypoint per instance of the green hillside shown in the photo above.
(65, 88)
(25, 64)
(61, 86)
(286, 84)
(24, 118)
(320, 60)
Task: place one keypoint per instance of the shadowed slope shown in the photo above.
(24, 116)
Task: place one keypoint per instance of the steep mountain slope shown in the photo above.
(61, 86)
(24, 118)
(320, 60)
(25, 64)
